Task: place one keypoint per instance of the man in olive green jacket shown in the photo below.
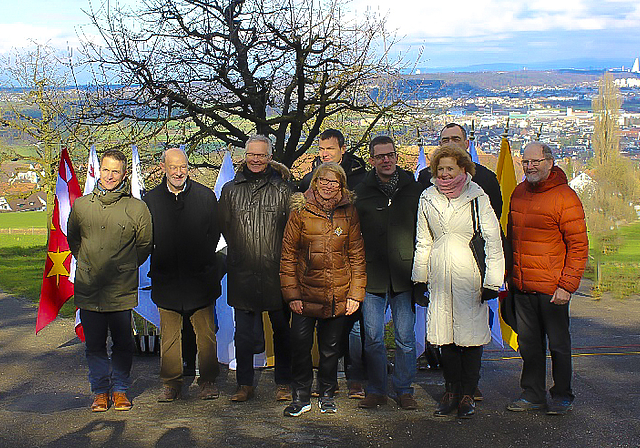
(110, 235)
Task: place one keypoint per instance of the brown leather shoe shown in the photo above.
(100, 402)
(407, 402)
(169, 394)
(283, 393)
(208, 391)
(243, 393)
(356, 391)
(120, 401)
(372, 401)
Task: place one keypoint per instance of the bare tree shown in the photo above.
(39, 110)
(226, 69)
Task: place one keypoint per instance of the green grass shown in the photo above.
(620, 269)
(21, 270)
(23, 220)
(14, 240)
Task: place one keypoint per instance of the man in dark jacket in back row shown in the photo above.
(253, 214)
(332, 148)
(454, 133)
(184, 275)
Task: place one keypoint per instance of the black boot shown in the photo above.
(449, 400)
(467, 407)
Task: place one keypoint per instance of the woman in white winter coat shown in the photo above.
(458, 320)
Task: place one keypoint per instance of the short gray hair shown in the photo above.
(546, 151)
(163, 156)
(260, 138)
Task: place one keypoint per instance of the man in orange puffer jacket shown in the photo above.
(548, 234)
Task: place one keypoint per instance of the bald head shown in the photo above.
(537, 161)
(175, 166)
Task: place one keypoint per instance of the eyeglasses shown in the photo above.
(381, 157)
(534, 162)
(257, 156)
(328, 182)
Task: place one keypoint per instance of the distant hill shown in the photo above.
(581, 64)
(503, 80)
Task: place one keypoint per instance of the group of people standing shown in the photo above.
(330, 259)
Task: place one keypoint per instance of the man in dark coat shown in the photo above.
(109, 233)
(454, 133)
(184, 275)
(387, 203)
(253, 214)
(332, 148)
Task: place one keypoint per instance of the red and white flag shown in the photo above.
(56, 285)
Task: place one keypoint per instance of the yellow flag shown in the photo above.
(506, 174)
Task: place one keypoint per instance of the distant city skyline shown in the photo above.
(447, 34)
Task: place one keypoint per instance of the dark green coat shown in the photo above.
(110, 234)
(389, 231)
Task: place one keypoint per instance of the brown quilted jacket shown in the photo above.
(323, 262)
(548, 233)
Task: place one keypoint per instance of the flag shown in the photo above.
(93, 176)
(56, 286)
(146, 308)
(422, 161)
(224, 313)
(93, 171)
(506, 174)
(473, 151)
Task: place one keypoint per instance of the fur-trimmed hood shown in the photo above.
(276, 166)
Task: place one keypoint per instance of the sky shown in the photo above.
(454, 33)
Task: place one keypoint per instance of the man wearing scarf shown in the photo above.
(110, 234)
(387, 203)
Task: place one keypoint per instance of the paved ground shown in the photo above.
(44, 397)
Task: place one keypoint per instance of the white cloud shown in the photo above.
(485, 18)
(21, 35)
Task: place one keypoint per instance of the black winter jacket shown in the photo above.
(354, 167)
(484, 177)
(253, 215)
(389, 231)
(184, 274)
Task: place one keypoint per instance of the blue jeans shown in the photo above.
(404, 319)
(108, 374)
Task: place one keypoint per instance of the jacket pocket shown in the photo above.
(127, 267)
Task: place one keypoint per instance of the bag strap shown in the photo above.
(475, 216)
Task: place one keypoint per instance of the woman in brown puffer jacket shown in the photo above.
(323, 278)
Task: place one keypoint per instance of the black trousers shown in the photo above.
(329, 336)
(248, 342)
(106, 373)
(461, 366)
(540, 320)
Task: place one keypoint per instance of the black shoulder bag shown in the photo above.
(477, 248)
(477, 241)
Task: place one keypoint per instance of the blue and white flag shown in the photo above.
(473, 151)
(224, 313)
(146, 308)
(422, 161)
(93, 171)
(494, 321)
